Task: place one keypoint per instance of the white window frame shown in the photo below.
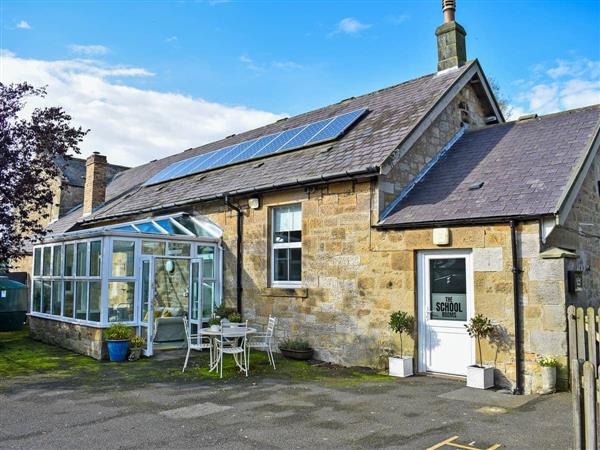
(287, 245)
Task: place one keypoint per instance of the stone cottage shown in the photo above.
(418, 197)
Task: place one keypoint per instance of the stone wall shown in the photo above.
(581, 234)
(465, 108)
(78, 338)
(354, 276)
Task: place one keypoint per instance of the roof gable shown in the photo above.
(525, 168)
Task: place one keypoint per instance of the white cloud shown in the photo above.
(171, 39)
(89, 49)
(562, 85)
(287, 65)
(399, 19)
(129, 125)
(262, 67)
(23, 25)
(250, 64)
(350, 25)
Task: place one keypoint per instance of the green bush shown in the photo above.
(223, 312)
(402, 322)
(117, 332)
(294, 344)
(480, 327)
(214, 321)
(548, 361)
(235, 317)
(137, 342)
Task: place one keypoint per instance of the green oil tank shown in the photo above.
(13, 304)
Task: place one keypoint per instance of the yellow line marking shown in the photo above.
(450, 442)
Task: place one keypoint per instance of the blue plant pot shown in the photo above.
(117, 350)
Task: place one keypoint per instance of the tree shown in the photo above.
(480, 327)
(401, 322)
(503, 102)
(28, 148)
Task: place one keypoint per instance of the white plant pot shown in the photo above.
(215, 328)
(480, 377)
(401, 367)
(548, 380)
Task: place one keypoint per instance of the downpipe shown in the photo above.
(239, 253)
(518, 390)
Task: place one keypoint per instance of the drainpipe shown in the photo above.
(517, 311)
(239, 266)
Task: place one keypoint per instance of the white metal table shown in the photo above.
(228, 332)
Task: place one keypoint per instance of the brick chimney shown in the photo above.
(452, 50)
(94, 191)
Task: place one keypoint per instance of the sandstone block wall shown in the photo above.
(78, 338)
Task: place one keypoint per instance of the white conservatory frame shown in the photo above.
(211, 236)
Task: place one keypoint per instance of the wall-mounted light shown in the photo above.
(254, 203)
(169, 266)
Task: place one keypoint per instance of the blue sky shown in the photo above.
(195, 71)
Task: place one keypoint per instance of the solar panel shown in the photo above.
(321, 131)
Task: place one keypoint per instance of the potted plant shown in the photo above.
(214, 323)
(136, 344)
(549, 365)
(235, 317)
(298, 349)
(117, 337)
(401, 366)
(480, 376)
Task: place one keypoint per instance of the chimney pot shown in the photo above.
(452, 50)
(94, 191)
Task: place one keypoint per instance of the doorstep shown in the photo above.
(488, 397)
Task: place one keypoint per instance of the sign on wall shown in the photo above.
(448, 306)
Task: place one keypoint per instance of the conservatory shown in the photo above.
(135, 273)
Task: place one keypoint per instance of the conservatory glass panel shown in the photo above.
(191, 225)
(94, 301)
(148, 227)
(95, 258)
(69, 260)
(81, 299)
(120, 301)
(37, 296)
(170, 227)
(68, 299)
(46, 260)
(57, 261)
(81, 259)
(56, 297)
(208, 298)
(46, 297)
(153, 248)
(178, 249)
(123, 258)
(37, 261)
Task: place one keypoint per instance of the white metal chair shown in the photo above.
(233, 342)
(197, 342)
(264, 341)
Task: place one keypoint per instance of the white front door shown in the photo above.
(445, 292)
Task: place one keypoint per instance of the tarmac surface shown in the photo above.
(271, 413)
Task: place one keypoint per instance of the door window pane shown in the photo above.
(68, 299)
(37, 296)
(153, 248)
(208, 299)
(57, 261)
(145, 289)
(46, 260)
(95, 258)
(56, 297)
(120, 301)
(94, 302)
(69, 260)
(195, 297)
(122, 258)
(448, 285)
(81, 293)
(81, 259)
(37, 261)
(46, 297)
(207, 254)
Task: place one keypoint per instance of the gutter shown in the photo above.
(239, 253)
(336, 176)
(457, 222)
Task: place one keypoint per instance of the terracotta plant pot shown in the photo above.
(300, 355)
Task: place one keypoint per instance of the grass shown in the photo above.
(23, 360)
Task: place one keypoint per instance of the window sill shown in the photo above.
(285, 292)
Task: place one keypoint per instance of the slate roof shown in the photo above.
(73, 170)
(393, 113)
(525, 167)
